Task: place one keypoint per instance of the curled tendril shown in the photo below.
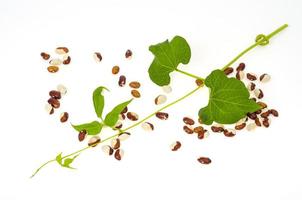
(263, 39)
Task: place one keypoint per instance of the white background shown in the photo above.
(264, 164)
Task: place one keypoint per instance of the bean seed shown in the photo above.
(62, 89)
(45, 56)
(265, 114)
(240, 126)
(62, 50)
(55, 94)
(188, 129)
(264, 78)
(241, 67)
(115, 143)
(229, 132)
(55, 103)
(252, 116)
(240, 75)
(198, 129)
(201, 134)
(251, 127)
(94, 141)
(204, 160)
(160, 99)
(258, 93)
(251, 76)
(167, 89)
(55, 61)
(122, 81)
(263, 105)
(97, 57)
(188, 121)
(82, 135)
(175, 146)
(49, 109)
(122, 116)
(135, 93)
(199, 82)
(118, 125)
(228, 70)
(128, 54)
(147, 126)
(64, 117)
(107, 150)
(67, 60)
(118, 154)
(115, 69)
(53, 69)
(125, 110)
(274, 112)
(266, 122)
(132, 116)
(257, 122)
(251, 86)
(135, 84)
(217, 129)
(162, 115)
(123, 136)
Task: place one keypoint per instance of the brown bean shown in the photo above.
(45, 56)
(251, 77)
(115, 69)
(123, 136)
(201, 134)
(217, 129)
(240, 75)
(229, 132)
(265, 114)
(188, 129)
(55, 94)
(258, 93)
(160, 99)
(228, 70)
(55, 103)
(188, 121)
(274, 112)
(62, 50)
(198, 129)
(94, 141)
(107, 150)
(118, 155)
(115, 143)
(199, 82)
(251, 86)
(53, 69)
(97, 57)
(135, 84)
(266, 122)
(241, 67)
(122, 81)
(67, 60)
(118, 125)
(204, 160)
(162, 115)
(252, 116)
(64, 117)
(135, 93)
(82, 135)
(257, 122)
(265, 78)
(175, 146)
(128, 54)
(240, 126)
(263, 105)
(132, 116)
(124, 110)
(147, 126)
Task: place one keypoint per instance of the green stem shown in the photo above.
(120, 131)
(189, 74)
(263, 40)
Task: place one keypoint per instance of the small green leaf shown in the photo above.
(92, 128)
(59, 158)
(168, 55)
(229, 100)
(98, 100)
(68, 161)
(112, 117)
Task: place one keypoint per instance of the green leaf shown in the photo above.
(168, 55)
(229, 100)
(98, 100)
(112, 117)
(92, 128)
(68, 161)
(59, 158)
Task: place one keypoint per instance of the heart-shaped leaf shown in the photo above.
(66, 162)
(92, 128)
(168, 55)
(98, 100)
(112, 117)
(229, 100)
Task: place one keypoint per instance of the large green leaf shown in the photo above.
(98, 100)
(112, 117)
(229, 100)
(92, 128)
(168, 55)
